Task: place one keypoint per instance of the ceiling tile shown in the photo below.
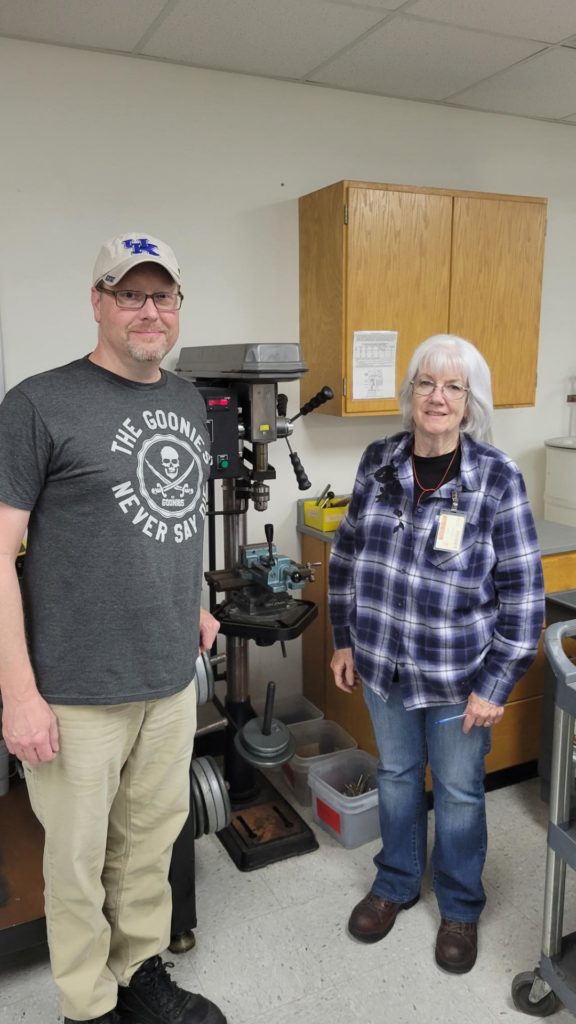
(546, 20)
(262, 37)
(388, 5)
(542, 87)
(106, 24)
(421, 60)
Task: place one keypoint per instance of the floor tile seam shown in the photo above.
(447, 987)
(264, 1018)
(350, 893)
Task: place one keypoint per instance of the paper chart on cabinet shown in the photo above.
(374, 364)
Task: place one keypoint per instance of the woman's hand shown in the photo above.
(343, 668)
(481, 712)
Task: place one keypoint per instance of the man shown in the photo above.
(104, 461)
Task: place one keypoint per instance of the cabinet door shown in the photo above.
(559, 571)
(321, 218)
(498, 251)
(398, 275)
(516, 738)
(317, 638)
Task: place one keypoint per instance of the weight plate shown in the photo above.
(204, 679)
(219, 792)
(205, 798)
(208, 767)
(226, 806)
(209, 675)
(199, 809)
(200, 689)
(262, 760)
(200, 680)
(272, 745)
(209, 802)
(204, 830)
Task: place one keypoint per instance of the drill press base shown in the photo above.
(266, 831)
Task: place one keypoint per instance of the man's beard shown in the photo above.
(148, 355)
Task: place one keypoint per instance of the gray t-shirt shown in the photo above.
(114, 473)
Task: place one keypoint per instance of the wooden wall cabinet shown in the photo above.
(419, 261)
(515, 740)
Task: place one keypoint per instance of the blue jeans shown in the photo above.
(406, 741)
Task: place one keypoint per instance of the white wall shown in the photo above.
(94, 145)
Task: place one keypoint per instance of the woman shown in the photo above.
(436, 601)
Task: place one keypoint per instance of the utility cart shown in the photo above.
(542, 991)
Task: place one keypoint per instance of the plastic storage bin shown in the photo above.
(325, 519)
(352, 820)
(292, 710)
(316, 742)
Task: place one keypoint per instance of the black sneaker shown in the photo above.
(106, 1018)
(153, 998)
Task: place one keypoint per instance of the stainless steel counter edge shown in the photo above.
(554, 538)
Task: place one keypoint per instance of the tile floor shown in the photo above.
(272, 945)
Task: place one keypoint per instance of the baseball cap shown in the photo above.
(119, 255)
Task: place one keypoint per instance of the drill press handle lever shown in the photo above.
(324, 395)
(304, 484)
(269, 534)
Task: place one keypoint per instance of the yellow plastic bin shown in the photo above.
(325, 519)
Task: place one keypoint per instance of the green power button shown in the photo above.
(223, 462)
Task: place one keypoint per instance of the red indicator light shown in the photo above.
(218, 403)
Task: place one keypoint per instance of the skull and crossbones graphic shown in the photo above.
(170, 460)
(171, 478)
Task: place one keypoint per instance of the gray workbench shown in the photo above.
(554, 538)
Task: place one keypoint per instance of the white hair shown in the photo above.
(443, 353)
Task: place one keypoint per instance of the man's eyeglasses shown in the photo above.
(128, 299)
(426, 387)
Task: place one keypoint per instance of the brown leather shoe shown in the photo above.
(374, 917)
(457, 945)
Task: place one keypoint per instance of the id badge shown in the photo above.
(450, 531)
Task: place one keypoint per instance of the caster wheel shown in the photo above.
(521, 988)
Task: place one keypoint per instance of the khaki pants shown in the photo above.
(112, 803)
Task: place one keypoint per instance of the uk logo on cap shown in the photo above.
(121, 254)
(138, 245)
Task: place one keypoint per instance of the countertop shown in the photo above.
(554, 538)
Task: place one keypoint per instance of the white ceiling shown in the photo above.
(510, 56)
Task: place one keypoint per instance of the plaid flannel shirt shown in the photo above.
(449, 622)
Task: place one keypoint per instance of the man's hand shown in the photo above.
(30, 729)
(209, 627)
(342, 666)
(481, 712)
